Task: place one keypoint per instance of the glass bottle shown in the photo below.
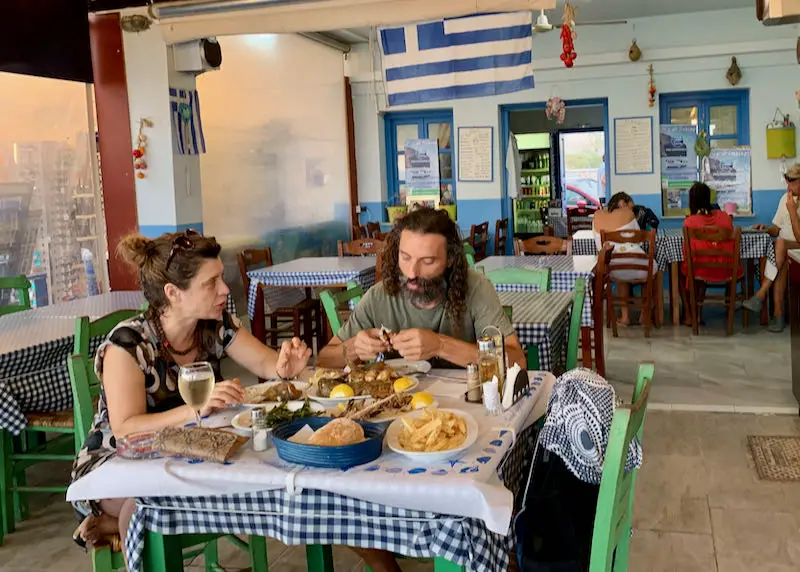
(474, 393)
(487, 360)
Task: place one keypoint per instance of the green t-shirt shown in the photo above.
(377, 308)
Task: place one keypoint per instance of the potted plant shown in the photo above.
(395, 208)
(446, 203)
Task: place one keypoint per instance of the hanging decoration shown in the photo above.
(556, 109)
(139, 162)
(734, 74)
(797, 97)
(568, 36)
(634, 52)
(651, 86)
(702, 149)
(187, 128)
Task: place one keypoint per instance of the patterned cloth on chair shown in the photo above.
(578, 424)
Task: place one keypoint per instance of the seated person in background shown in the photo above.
(619, 216)
(785, 226)
(703, 214)
(435, 305)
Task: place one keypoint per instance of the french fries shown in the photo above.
(432, 431)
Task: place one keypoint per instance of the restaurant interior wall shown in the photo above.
(690, 52)
(276, 167)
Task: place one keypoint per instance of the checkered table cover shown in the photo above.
(564, 270)
(541, 318)
(320, 517)
(669, 247)
(309, 272)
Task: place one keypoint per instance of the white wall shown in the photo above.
(689, 52)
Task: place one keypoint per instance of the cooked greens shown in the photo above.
(282, 414)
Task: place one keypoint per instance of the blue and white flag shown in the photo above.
(472, 56)
(186, 124)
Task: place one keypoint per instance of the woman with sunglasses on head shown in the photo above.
(138, 364)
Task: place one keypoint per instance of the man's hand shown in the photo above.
(417, 344)
(368, 344)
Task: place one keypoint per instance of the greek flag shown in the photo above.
(472, 56)
(186, 125)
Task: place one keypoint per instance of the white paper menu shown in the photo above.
(475, 154)
(633, 145)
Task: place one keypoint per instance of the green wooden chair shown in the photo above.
(612, 523)
(578, 297)
(336, 303)
(539, 277)
(470, 253)
(22, 286)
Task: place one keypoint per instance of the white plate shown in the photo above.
(406, 368)
(327, 402)
(300, 385)
(242, 420)
(393, 432)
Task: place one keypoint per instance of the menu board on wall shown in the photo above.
(422, 169)
(633, 145)
(728, 172)
(475, 154)
(678, 166)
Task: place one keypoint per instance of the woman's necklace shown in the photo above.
(164, 344)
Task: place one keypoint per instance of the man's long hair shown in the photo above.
(429, 221)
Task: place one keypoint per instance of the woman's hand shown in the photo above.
(225, 394)
(292, 359)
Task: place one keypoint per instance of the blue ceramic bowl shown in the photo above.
(342, 457)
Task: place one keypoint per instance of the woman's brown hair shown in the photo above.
(172, 258)
(429, 221)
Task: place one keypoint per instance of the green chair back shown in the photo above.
(578, 297)
(22, 286)
(612, 524)
(334, 301)
(470, 253)
(539, 277)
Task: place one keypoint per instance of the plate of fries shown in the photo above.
(432, 435)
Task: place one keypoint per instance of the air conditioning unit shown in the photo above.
(778, 12)
(197, 56)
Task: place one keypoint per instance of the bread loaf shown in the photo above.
(337, 433)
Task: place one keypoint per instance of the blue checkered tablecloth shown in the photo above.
(541, 319)
(669, 246)
(321, 517)
(564, 270)
(307, 273)
(34, 347)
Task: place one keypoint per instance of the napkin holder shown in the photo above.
(517, 385)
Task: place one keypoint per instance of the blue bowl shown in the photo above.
(342, 457)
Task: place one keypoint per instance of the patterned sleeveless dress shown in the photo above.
(137, 337)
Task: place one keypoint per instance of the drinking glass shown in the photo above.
(196, 384)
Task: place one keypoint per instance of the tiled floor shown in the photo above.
(699, 508)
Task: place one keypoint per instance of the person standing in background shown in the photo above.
(601, 179)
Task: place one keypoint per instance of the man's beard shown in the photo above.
(429, 290)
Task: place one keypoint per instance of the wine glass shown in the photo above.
(196, 384)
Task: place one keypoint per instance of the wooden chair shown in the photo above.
(540, 245)
(579, 218)
(719, 259)
(539, 277)
(337, 304)
(21, 285)
(469, 252)
(363, 247)
(614, 259)
(500, 237)
(578, 297)
(373, 228)
(479, 240)
(611, 535)
(359, 231)
(301, 319)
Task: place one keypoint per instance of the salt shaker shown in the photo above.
(258, 423)
(473, 384)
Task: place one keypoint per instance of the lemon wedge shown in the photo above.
(403, 383)
(342, 391)
(421, 400)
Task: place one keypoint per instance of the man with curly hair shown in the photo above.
(434, 306)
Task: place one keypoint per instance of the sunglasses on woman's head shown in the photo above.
(183, 242)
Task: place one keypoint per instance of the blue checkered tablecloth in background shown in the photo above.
(320, 517)
(541, 319)
(35, 345)
(669, 247)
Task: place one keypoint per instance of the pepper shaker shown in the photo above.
(258, 423)
(474, 394)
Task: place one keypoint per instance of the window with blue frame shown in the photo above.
(724, 115)
(400, 127)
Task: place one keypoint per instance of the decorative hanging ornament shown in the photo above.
(734, 74)
(556, 109)
(139, 164)
(651, 86)
(797, 97)
(568, 36)
(634, 53)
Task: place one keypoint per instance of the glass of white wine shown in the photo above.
(196, 384)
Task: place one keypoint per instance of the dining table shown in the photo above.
(459, 509)
(34, 347)
(541, 320)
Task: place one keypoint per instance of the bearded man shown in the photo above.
(433, 304)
